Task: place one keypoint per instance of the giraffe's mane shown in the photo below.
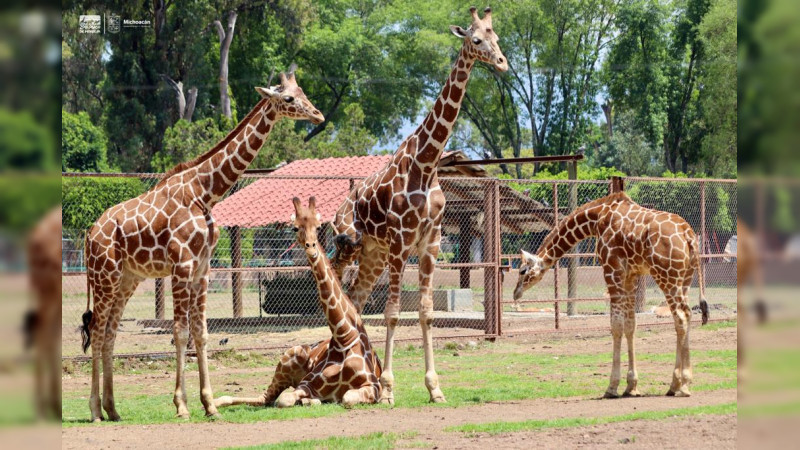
(220, 145)
(580, 209)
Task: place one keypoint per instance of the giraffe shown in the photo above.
(399, 208)
(342, 369)
(43, 322)
(631, 241)
(169, 231)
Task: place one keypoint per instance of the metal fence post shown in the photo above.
(702, 233)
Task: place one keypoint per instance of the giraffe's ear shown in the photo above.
(458, 31)
(293, 218)
(266, 92)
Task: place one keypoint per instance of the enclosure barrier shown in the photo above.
(262, 296)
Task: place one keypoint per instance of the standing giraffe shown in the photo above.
(169, 231)
(631, 241)
(343, 368)
(399, 208)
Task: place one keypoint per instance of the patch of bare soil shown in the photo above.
(429, 424)
(709, 432)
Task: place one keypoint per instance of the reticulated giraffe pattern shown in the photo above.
(169, 231)
(342, 369)
(399, 209)
(631, 241)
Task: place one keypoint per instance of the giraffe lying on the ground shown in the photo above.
(631, 241)
(169, 231)
(343, 369)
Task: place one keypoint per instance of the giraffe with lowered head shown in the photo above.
(169, 231)
(399, 208)
(631, 241)
(343, 369)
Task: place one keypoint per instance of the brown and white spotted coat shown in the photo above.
(343, 369)
(399, 209)
(169, 231)
(631, 241)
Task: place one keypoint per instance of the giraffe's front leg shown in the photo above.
(617, 327)
(398, 254)
(180, 329)
(428, 251)
(290, 398)
(363, 395)
(630, 331)
(197, 314)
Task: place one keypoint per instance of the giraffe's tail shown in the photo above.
(697, 263)
(86, 318)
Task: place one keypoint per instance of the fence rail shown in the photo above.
(261, 294)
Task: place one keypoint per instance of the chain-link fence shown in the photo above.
(262, 295)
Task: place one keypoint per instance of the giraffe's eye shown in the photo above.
(295, 229)
(476, 41)
(288, 98)
(523, 271)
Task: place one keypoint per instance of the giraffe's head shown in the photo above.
(530, 273)
(480, 40)
(289, 100)
(306, 222)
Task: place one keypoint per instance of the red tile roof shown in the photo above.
(269, 200)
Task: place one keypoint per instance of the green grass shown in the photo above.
(494, 428)
(490, 372)
(369, 441)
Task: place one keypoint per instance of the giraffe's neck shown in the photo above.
(217, 174)
(435, 130)
(340, 313)
(574, 228)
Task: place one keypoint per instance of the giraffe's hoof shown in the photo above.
(114, 417)
(184, 416)
(610, 395)
(387, 401)
(438, 399)
(633, 393)
(214, 416)
(97, 419)
(670, 393)
(683, 392)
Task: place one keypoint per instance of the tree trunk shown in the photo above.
(225, 38)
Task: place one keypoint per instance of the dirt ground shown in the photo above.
(429, 423)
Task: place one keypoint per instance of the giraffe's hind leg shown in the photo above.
(677, 296)
(630, 332)
(428, 250)
(128, 284)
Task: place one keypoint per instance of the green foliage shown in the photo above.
(24, 144)
(186, 140)
(25, 199)
(85, 199)
(671, 196)
(83, 145)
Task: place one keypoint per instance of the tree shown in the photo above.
(25, 144)
(83, 145)
(186, 140)
(718, 78)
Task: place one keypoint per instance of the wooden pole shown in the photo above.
(159, 298)
(464, 241)
(236, 276)
(490, 278)
(556, 307)
(572, 263)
